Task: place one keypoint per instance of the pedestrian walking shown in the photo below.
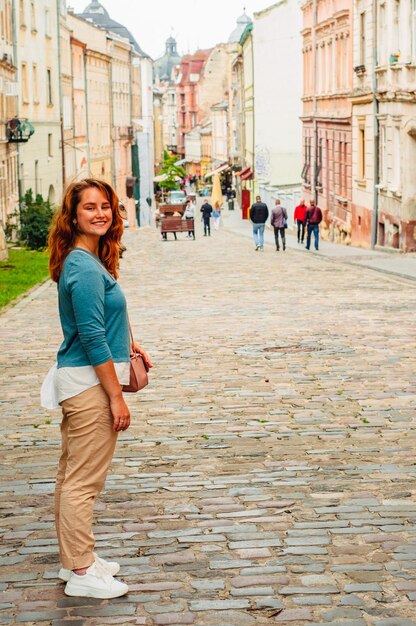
(189, 214)
(279, 222)
(258, 215)
(313, 219)
(206, 210)
(300, 220)
(93, 364)
(216, 215)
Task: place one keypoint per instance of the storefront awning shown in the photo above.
(219, 169)
(248, 175)
(162, 177)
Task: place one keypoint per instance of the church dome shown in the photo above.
(242, 22)
(162, 67)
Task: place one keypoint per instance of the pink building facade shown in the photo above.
(190, 72)
(327, 136)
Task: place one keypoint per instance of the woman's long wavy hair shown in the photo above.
(63, 231)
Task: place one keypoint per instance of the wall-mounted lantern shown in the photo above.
(19, 130)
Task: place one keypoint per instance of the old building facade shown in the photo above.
(38, 62)
(384, 125)
(189, 74)
(9, 163)
(327, 137)
(278, 129)
(277, 97)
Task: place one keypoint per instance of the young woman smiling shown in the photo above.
(93, 364)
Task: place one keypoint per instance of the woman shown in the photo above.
(93, 364)
(189, 214)
(216, 215)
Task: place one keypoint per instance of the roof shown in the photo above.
(96, 13)
(242, 22)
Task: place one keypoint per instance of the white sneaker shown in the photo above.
(112, 568)
(96, 583)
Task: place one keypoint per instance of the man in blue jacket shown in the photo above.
(258, 215)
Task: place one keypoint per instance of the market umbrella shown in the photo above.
(216, 195)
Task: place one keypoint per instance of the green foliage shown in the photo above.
(35, 220)
(172, 171)
(22, 270)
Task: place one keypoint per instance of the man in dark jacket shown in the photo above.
(313, 219)
(206, 210)
(258, 215)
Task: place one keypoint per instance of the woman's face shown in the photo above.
(93, 215)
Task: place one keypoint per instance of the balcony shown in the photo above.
(19, 130)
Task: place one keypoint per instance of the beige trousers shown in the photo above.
(88, 442)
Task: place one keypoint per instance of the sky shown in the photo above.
(194, 23)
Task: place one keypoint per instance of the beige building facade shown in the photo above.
(97, 68)
(38, 63)
(121, 97)
(384, 125)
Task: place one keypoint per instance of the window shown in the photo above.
(396, 159)
(382, 35)
(22, 16)
(48, 87)
(47, 23)
(319, 163)
(362, 39)
(25, 84)
(67, 112)
(361, 152)
(414, 29)
(35, 84)
(383, 155)
(33, 17)
(50, 145)
(306, 160)
(397, 41)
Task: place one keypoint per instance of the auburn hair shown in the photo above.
(63, 231)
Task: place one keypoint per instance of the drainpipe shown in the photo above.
(61, 105)
(112, 126)
(87, 120)
(376, 126)
(74, 130)
(15, 61)
(254, 116)
(315, 103)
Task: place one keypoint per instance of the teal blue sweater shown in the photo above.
(93, 314)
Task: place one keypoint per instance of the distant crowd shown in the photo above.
(307, 219)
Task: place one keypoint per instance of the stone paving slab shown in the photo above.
(268, 476)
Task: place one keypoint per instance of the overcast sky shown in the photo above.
(193, 23)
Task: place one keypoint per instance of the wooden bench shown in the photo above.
(176, 225)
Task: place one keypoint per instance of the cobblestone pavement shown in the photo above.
(269, 475)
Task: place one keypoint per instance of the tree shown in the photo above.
(172, 171)
(35, 220)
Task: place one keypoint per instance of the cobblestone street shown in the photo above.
(269, 474)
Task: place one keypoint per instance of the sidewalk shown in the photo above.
(389, 262)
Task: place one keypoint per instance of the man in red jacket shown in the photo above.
(300, 220)
(313, 219)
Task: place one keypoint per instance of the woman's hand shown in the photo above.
(120, 412)
(140, 351)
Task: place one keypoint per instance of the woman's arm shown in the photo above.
(87, 290)
(108, 378)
